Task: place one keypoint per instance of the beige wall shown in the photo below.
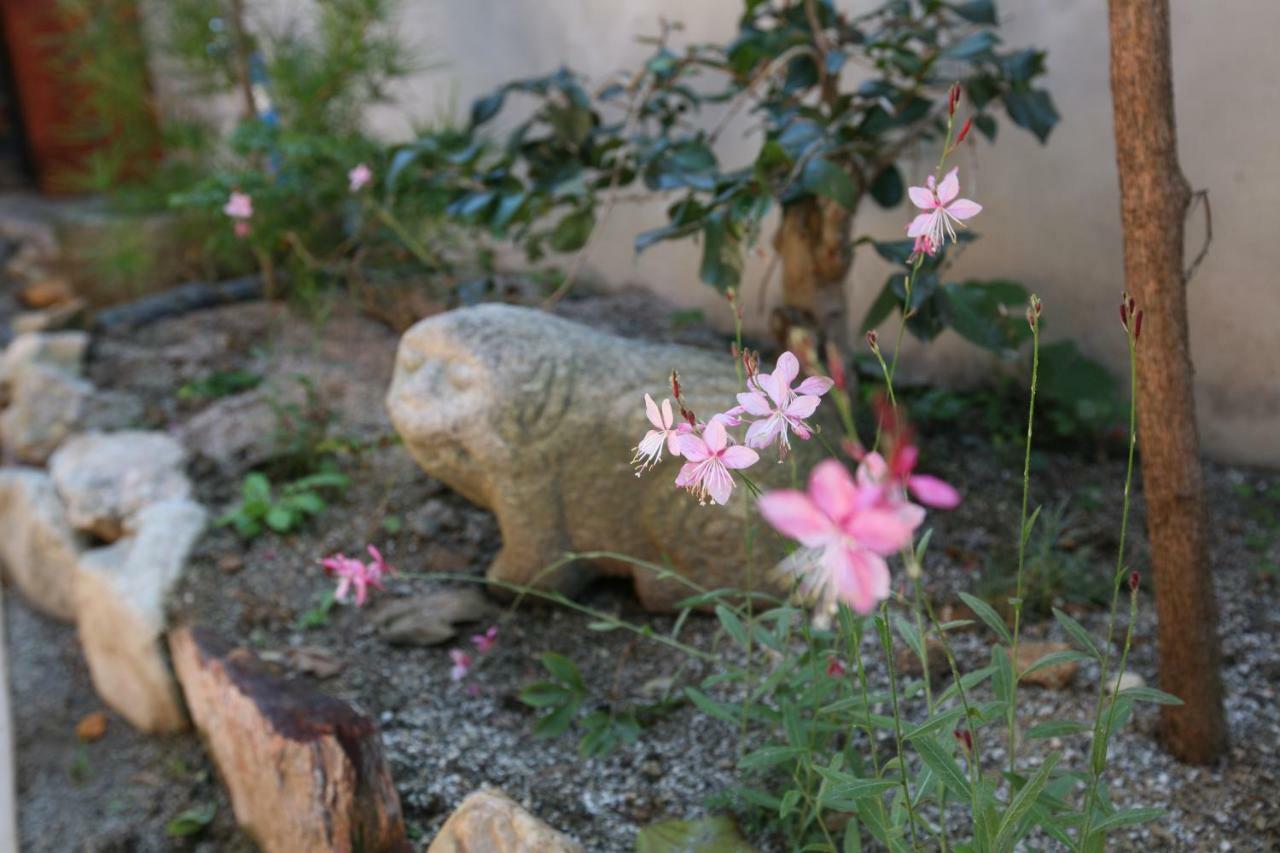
(1051, 218)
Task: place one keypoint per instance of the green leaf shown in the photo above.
(722, 258)
(563, 670)
(483, 109)
(557, 722)
(192, 821)
(987, 313)
(976, 11)
(711, 707)
(984, 612)
(1149, 694)
(882, 307)
(572, 232)
(1057, 728)
(717, 834)
(823, 177)
(888, 187)
(975, 46)
(1126, 817)
(1078, 633)
(1056, 659)
(542, 694)
(1002, 682)
(769, 756)
(732, 625)
(280, 519)
(1007, 834)
(1030, 525)
(256, 487)
(940, 760)
(1032, 109)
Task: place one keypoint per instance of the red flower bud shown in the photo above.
(964, 737)
(964, 130)
(1124, 315)
(1134, 579)
(675, 385)
(953, 98)
(873, 340)
(1137, 326)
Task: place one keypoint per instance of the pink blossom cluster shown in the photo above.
(355, 575)
(770, 407)
(239, 208)
(463, 661)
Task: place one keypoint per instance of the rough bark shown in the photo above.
(813, 241)
(1154, 197)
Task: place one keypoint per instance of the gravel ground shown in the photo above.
(444, 739)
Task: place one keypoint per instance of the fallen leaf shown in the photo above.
(91, 726)
(308, 660)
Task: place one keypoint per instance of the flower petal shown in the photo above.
(963, 208)
(786, 371)
(667, 418)
(815, 386)
(795, 515)
(949, 188)
(719, 483)
(754, 403)
(884, 531)
(714, 437)
(739, 457)
(802, 407)
(832, 489)
(652, 413)
(860, 578)
(920, 225)
(921, 197)
(762, 433)
(693, 448)
(933, 492)
(688, 474)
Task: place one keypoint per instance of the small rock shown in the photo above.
(109, 410)
(307, 660)
(61, 349)
(908, 662)
(120, 610)
(107, 478)
(489, 821)
(428, 620)
(38, 547)
(240, 432)
(46, 405)
(1053, 677)
(1126, 681)
(229, 564)
(91, 727)
(44, 292)
(304, 770)
(63, 315)
(433, 518)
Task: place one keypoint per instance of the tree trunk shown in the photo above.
(815, 245)
(1154, 197)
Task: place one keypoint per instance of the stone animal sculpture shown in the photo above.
(535, 418)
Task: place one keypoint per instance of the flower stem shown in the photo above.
(1023, 533)
(886, 640)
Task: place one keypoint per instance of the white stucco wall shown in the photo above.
(1052, 212)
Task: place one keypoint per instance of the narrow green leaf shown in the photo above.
(769, 756)
(1007, 834)
(711, 707)
(732, 625)
(1149, 694)
(1126, 817)
(1078, 633)
(1056, 659)
(985, 612)
(940, 759)
(1057, 728)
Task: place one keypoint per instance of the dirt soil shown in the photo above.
(445, 739)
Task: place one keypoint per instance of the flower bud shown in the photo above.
(964, 737)
(675, 385)
(953, 98)
(1134, 579)
(964, 130)
(1137, 326)
(835, 366)
(873, 340)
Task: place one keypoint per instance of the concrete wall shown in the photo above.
(1052, 212)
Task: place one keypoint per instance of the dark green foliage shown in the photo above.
(280, 510)
(821, 138)
(221, 383)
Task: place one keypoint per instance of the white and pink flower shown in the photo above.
(359, 177)
(944, 212)
(850, 524)
(664, 433)
(710, 459)
(352, 575)
(461, 664)
(782, 410)
(239, 205)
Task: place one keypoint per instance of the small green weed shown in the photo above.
(284, 510)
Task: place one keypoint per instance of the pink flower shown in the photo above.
(649, 451)
(835, 667)
(359, 176)
(711, 457)
(379, 568)
(943, 211)
(461, 664)
(351, 574)
(239, 205)
(929, 490)
(241, 228)
(923, 246)
(781, 408)
(486, 641)
(855, 524)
